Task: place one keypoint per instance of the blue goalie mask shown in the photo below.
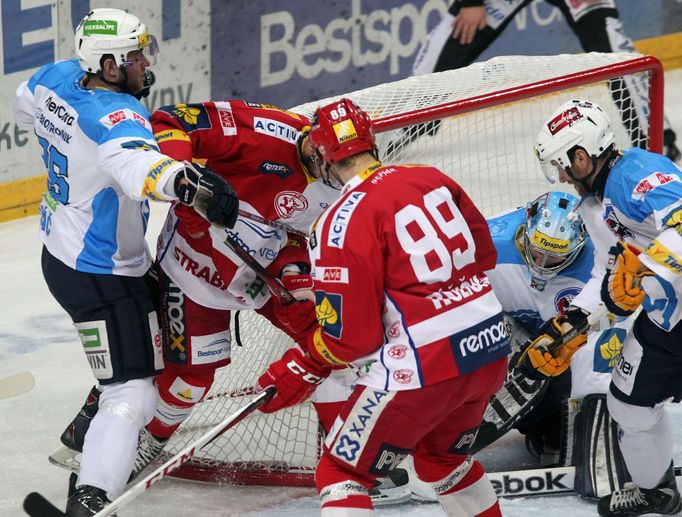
(552, 235)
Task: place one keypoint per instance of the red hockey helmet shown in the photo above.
(341, 129)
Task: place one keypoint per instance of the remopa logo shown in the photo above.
(487, 334)
(361, 39)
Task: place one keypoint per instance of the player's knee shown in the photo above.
(635, 419)
(184, 389)
(133, 400)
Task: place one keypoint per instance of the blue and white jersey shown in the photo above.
(642, 205)
(102, 166)
(512, 283)
(576, 285)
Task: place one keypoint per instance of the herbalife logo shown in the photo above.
(100, 27)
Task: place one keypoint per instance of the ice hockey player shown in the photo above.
(102, 167)
(544, 261)
(637, 196)
(544, 274)
(471, 26)
(262, 151)
(402, 239)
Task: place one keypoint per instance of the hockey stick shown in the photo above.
(15, 385)
(538, 482)
(583, 326)
(270, 222)
(274, 286)
(37, 505)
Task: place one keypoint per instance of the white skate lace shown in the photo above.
(629, 497)
(148, 449)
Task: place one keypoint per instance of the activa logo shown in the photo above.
(492, 332)
(312, 49)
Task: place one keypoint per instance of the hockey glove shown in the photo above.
(538, 361)
(210, 195)
(620, 288)
(295, 377)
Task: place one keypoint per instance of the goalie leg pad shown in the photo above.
(599, 465)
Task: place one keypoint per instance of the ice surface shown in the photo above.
(36, 335)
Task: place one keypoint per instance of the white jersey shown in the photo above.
(102, 164)
(242, 289)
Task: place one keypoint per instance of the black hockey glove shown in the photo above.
(211, 196)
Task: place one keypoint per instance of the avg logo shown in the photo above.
(328, 312)
(607, 350)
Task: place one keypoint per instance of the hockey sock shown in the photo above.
(178, 393)
(111, 441)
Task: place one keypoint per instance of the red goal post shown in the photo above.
(478, 125)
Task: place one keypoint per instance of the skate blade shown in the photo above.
(397, 495)
(66, 458)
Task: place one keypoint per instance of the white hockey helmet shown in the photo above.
(576, 122)
(112, 31)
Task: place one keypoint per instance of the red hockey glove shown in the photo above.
(536, 362)
(297, 318)
(620, 288)
(295, 376)
(298, 284)
(295, 252)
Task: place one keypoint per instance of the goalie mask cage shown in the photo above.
(478, 125)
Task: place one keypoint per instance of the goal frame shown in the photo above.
(281, 473)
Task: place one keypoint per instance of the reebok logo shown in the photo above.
(547, 481)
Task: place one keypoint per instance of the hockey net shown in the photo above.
(476, 124)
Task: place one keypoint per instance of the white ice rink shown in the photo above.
(36, 335)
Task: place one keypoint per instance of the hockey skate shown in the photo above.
(632, 500)
(148, 448)
(86, 500)
(392, 489)
(68, 454)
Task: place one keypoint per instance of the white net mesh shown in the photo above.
(484, 141)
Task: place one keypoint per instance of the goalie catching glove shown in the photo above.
(538, 362)
(211, 196)
(620, 288)
(295, 377)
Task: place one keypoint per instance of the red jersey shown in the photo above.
(253, 146)
(401, 292)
